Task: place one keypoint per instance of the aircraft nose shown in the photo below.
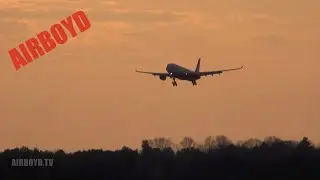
(168, 67)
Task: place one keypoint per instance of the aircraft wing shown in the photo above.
(154, 73)
(206, 73)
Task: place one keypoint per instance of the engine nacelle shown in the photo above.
(162, 77)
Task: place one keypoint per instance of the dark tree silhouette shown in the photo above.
(252, 143)
(216, 158)
(187, 143)
(223, 141)
(160, 143)
(209, 143)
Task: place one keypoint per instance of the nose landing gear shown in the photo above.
(194, 83)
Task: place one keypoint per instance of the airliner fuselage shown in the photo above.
(182, 73)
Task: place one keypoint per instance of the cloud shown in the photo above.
(135, 16)
(237, 18)
(98, 11)
(124, 18)
(14, 29)
(274, 40)
(112, 3)
(24, 19)
(266, 18)
(256, 18)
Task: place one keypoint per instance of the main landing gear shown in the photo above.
(174, 83)
(194, 83)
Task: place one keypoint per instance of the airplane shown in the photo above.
(175, 71)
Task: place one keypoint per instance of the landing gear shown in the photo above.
(194, 83)
(174, 83)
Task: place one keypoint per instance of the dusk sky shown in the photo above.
(86, 94)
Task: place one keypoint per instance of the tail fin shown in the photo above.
(198, 66)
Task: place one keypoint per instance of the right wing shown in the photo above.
(155, 73)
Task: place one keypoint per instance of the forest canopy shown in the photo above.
(217, 157)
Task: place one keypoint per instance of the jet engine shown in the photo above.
(162, 77)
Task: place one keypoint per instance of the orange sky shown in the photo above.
(86, 94)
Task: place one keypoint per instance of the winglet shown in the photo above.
(139, 71)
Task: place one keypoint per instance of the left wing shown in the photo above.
(205, 73)
(155, 73)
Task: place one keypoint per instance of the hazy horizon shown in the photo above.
(86, 93)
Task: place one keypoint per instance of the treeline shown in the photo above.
(161, 159)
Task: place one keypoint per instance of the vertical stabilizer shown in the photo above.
(198, 66)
